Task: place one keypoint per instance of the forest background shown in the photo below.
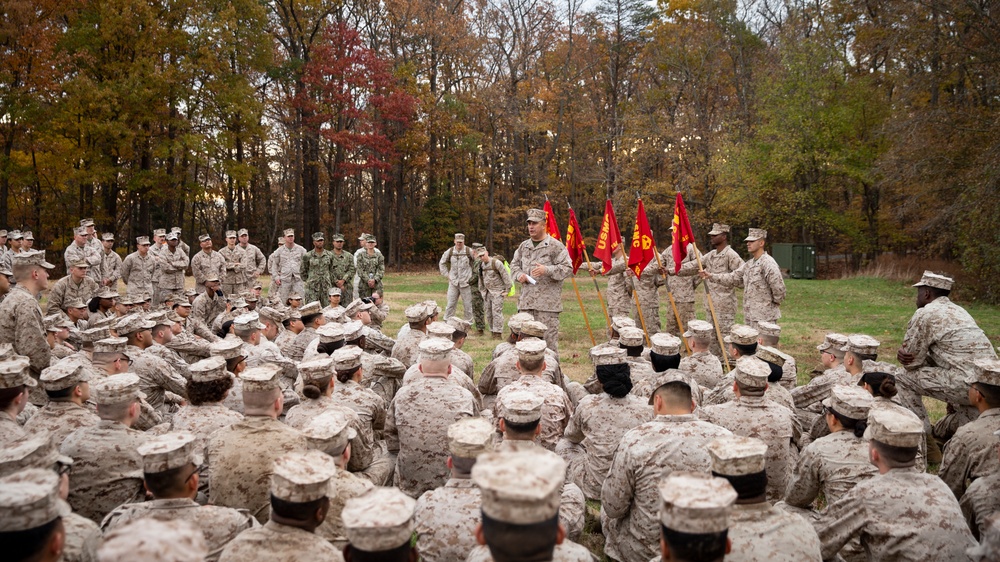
(865, 127)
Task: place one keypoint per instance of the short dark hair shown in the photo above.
(521, 428)
(631, 350)
(745, 350)
(750, 391)
(511, 542)
(329, 347)
(208, 392)
(399, 554)
(28, 544)
(297, 511)
(703, 547)
(674, 393)
(938, 292)
(894, 455)
(167, 483)
(232, 363)
(863, 356)
(531, 364)
(7, 395)
(747, 485)
(61, 393)
(310, 318)
(990, 392)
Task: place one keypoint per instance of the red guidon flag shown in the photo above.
(641, 252)
(683, 235)
(551, 227)
(574, 241)
(608, 239)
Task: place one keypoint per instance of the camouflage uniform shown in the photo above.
(704, 368)
(763, 288)
(285, 264)
(111, 267)
(899, 515)
(343, 486)
(87, 253)
(682, 289)
(572, 504)
(832, 465)
(723, 296)
(204, 311)
(619, 292)
(296, 349)
(406, 347)
(234, 277)
(363, 450)
(446, 520)
(543, 300)
(503, 370)
(596, 428)
(66, 290)
(369, 268)
(274, 542)
(759, 417)
(10, 429)
(763, 533)
(494, 284)
(646, 287)
(478, 304)
(343, 270)
(205, 265)
(630, 502)
(556, 408)
(382, 374)
(170, 275)
(416, 431)
(972, 452)
(139, 273)
(60, 418)
(190, 347)
(457, 376)
(203, 420)
(254, 263)
(156, 378)
(945, 342)
(457, 267)
(220, 525)
(83, 537)
(172, 358)
(369, 406)
(317, 274)
(107, 468)
(723, 393)
(240, 462)
(567, 551)
(21, 326)
(379, 314)
(980, 501)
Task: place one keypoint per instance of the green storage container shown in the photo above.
(798, 261)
